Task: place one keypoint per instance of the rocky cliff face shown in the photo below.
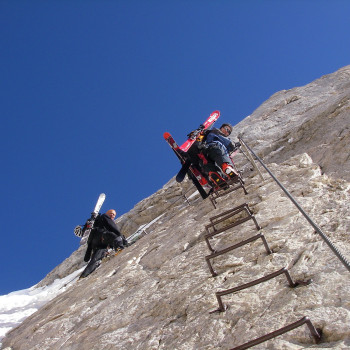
(159, 293)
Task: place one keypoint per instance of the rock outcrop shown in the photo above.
(159, 292)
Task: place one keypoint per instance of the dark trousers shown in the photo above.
(98, 242)
(95, 261)
(100, 239)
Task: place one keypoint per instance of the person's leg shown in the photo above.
(113, 240)
(218, 153)
(95, 262)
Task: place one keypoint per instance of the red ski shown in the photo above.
(197, 178)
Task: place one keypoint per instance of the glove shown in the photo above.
(125, 242)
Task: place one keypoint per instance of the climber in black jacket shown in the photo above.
(104, 234)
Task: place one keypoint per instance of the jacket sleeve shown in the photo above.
(212, 137)
(111, 226)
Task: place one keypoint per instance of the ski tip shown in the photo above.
(215, 114)
(166, 135)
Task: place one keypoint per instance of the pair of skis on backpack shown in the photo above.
(206, 178)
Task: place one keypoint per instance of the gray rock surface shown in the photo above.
(159, 292)
(312, 119)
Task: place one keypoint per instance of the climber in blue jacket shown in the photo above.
(219, 147)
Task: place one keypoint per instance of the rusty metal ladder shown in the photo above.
(233, 185)
(213, 230)
(243, 214)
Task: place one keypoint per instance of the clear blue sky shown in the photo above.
(89, 87)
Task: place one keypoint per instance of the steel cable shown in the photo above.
(317, 229)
